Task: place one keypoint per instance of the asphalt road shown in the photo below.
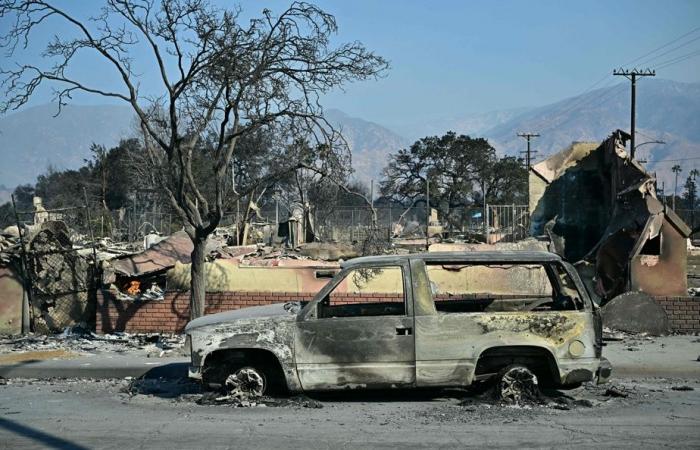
(102, 415)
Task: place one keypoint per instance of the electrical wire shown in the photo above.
(678, 59)
(688, 33)
(608, 90)
(648, 61)
(673, 160)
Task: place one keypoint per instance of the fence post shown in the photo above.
(92, 239)
(26, 279)
(486, 222)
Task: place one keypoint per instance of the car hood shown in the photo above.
(254, 312)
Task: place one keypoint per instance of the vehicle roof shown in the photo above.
(464, 256)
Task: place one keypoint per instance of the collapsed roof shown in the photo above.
(599, 207)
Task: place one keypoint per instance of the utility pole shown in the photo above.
(528, 153)
(427, 214)
(692, 191)
(632, 76)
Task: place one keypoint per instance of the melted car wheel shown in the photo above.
(247, 381)
(517, 384)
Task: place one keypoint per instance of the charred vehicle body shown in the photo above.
(420, 320)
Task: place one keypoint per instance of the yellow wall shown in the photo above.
(226, 275)
(503, 280)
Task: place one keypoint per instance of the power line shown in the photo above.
(678, 59)
(662, 46)
(673, 160)
(605, 92)
(648, 61)
(645, 135)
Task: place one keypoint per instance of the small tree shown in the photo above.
(220, 77)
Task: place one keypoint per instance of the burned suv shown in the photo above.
(419, 320)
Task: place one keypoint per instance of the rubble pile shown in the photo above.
(80, 340)
(9, 244)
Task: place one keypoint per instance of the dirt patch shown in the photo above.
(41, 355)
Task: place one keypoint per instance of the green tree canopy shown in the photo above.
(462, 171)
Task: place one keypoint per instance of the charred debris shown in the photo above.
(598, 208)
(590, 203)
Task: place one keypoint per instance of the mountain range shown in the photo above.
(33, 139)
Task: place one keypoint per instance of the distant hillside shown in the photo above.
(369, 142)
(32, 140)
(470, 124)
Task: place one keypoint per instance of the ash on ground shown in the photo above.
(80, 340)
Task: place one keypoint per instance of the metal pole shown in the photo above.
(486, 220)
(391, 223)
(632, 114)
(528, 153)
(92, 236)
(632, 76)
(427, 213)
(663, 189)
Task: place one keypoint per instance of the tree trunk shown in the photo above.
(198, 282)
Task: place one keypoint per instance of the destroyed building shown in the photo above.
(599, 208)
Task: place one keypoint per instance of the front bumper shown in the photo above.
(604, 371)
(194, 372)
(575, 371)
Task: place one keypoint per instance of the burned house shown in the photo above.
(599, 208)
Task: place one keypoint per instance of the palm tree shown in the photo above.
(691, 195)
(675, 169)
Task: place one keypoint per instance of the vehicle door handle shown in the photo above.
(404, 331)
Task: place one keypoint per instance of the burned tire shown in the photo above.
(221, 367)
(517, 384)
(248, 380)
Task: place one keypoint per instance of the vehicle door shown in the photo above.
(358, 332)
(463, 308)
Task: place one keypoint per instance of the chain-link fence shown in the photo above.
(58, 261)
(505, 223)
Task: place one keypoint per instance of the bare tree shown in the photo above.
(220, 76)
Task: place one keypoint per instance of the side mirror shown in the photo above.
(310, 314)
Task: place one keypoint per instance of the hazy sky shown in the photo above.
(452, 58)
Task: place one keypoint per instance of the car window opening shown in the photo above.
(366, 292)
(470, 288)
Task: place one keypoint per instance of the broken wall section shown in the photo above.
(599, 209)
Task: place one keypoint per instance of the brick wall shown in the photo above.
(683, 312)
(172, 314)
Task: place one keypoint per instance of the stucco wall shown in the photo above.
(11, 291)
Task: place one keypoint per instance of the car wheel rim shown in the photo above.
(518, 384)
(247, 380)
